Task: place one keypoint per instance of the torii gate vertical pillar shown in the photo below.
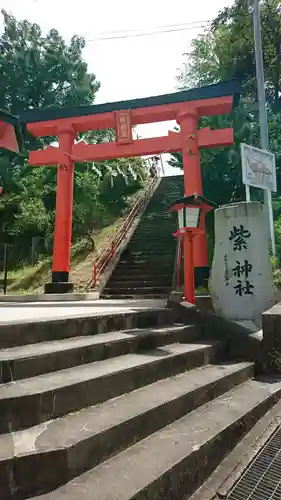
(193, 184)
(63, 219)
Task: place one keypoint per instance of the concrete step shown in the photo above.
(146, 267)
(24, 333)
(136, 276)
(114, 296)
(35, 359)
(149, 260)
(138, 271)
(162, 252)
(154, 233)
(160, 225)
(154, 239)
(66, 447)
(150, 257)
(141, 290)
(155, 214)
(151, 220)
(153, 243)
(148, 249)
(136, 282)
(166, 234)
(155, 211)
(174, 461)
(133, 274)
(34, 400)
(155, 220)
(166, 215)
(147, 263)
(147, 245)
(120, 278)
(134, 296)
(167, 240)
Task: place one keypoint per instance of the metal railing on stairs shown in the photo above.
(106, 256)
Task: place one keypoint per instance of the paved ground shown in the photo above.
(14, 312)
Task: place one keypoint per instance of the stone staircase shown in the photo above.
(126, 406)
(145, 269)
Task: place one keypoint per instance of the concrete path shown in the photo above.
(15, 312)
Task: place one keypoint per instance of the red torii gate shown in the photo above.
(10, 133)
(185, 107)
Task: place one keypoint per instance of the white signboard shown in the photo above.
(258, 168)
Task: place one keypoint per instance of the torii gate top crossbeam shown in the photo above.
(212, 99)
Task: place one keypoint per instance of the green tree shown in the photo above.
(39, 71)
(36, 71)
(225, 51)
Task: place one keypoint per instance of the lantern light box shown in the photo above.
(189, 210)
(188, 217)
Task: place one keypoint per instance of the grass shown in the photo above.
(202, 290)
(31, 279)
(276, 272)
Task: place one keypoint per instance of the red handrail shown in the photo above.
(104, 259)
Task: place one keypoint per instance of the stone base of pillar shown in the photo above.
(201, 275)
(58, 287)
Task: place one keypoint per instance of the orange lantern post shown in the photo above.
(191, 212)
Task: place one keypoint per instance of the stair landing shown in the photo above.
(27, 312)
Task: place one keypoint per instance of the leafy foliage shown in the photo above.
(38, 71)
(222, 52)
(45, 71)
(226, 50)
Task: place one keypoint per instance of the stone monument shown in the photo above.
(241, 281)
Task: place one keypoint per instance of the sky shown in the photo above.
(129, 67)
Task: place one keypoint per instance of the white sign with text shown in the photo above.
(258, 168)
(241, 282)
